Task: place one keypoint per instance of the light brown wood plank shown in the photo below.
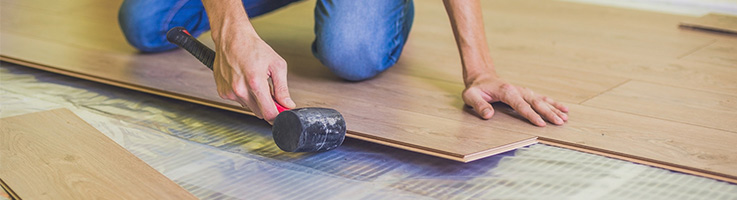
(58, 6)
(713, 22)
(687, 106)
(56, 155)
(70, 28)
(678, 73)
(720, 53)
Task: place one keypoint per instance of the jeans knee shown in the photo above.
(144, 38)
(142, 30)
(353, 63)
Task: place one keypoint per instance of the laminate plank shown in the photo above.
(71, 28)
(58, 6)
(56, 155)
(713, 22)
(678, 73)
(718, 111)
(720, 53)
(662, 143)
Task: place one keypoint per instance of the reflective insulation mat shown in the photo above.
(216, 154)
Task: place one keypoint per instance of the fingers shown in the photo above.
(260, 91)
(475, 99)
(243, 96)
(557, 105)
(560, 113)
(511, 96)
(542, 107)
(237, 91)
(281, 89)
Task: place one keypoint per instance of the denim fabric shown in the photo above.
(145, 22)
(356, 39)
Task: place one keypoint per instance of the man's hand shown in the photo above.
(483, 90)
(244, 63)
(483, 86)
(242, 70)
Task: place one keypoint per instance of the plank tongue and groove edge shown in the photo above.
(581, 52)
(56, 155)
(713, 22)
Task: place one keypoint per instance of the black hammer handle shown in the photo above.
(181, 37)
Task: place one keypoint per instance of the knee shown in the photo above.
(142, 29)
(353, 60)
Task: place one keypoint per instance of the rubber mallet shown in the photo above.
(297, 130)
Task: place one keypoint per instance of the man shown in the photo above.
(356, 39)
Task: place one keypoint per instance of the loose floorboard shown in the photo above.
(575, 53)
(56, 155)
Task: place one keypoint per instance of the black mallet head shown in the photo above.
(309, 129)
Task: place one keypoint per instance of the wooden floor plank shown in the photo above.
(612, 133)
(721, 53)
(718, 111)
(57, 7)
(56, 155)
(678, 73)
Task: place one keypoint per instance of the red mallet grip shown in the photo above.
(279, 107)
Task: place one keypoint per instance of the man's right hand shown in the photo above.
(244, 63)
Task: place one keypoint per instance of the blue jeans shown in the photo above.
(356, 39)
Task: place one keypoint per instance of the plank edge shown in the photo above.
(640, 160)
(9, 191)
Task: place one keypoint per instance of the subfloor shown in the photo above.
(214, 156)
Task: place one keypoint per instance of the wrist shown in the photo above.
(232, 30)
(228, 20)
(477, 68)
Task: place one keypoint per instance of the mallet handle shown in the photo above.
(181, 37)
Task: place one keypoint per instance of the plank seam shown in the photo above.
(605, 91)
(696, 49)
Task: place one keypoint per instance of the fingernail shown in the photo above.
(540, 122)
(485, 113)
(290, 103)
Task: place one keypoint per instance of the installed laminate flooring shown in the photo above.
(580, 54)
(56, 155)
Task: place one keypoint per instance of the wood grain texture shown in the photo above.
(56, 155)
(720, 53)
(572, 52)
(713, 22)
(718, 111)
